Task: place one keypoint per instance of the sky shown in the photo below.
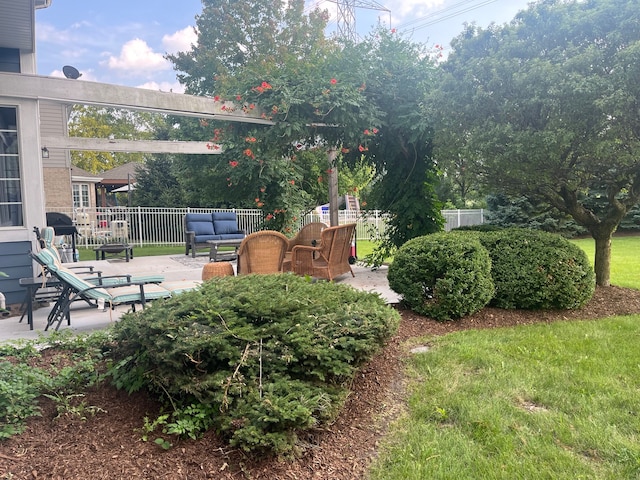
(123, 42)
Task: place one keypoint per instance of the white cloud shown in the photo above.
(180, 41)
(88, 75)
(416, 8)
(174, 87)
(137, 56)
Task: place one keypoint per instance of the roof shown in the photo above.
(78, 174)
(122, 174)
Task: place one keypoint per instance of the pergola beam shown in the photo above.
(69, 91)
(129, 146)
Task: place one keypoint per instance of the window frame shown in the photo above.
(11, 182)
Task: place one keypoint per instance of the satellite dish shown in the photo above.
(71, 72)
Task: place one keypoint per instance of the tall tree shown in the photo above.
(550, 107)
(275, 57)
(158, 184)
(97, 122)
(400, 76)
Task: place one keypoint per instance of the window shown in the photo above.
(10, 60)
(81, 195)
(10, 189)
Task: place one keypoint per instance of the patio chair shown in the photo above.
(328, 260)
(125, 291)
(308, 235)
(262, 252)
(45, 237)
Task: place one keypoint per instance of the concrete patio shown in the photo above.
(173, 268)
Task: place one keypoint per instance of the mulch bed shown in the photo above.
(109, 445)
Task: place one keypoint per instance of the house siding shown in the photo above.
(53, 123)
(15, 262)
(16, 24)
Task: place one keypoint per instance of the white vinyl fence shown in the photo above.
(164, 226)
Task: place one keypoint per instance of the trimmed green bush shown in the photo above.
(443, 275)
(537, 270)
(257, 357)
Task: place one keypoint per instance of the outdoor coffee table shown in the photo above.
(213, 253)
(114, 248)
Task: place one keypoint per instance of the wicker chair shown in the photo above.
(262, 252)
(308, 235)
(330, 259)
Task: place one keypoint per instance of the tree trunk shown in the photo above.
(602, 265)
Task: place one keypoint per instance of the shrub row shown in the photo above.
(257, 357)
(449, 275)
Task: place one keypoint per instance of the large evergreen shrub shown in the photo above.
(443, 275)
(258, 357)
(537, 270)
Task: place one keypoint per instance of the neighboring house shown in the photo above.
(115, 178)
(35, 168)
(83, 189)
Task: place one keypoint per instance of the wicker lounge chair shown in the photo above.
(328, 260)
(308, 235)
(262, 252)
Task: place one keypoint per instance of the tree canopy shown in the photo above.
(98, 122)
(548, 107)
(360, 101)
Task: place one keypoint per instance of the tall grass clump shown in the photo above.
(443, 275)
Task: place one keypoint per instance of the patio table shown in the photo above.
(213, 252)
(114, 248)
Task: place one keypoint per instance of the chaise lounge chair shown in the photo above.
(104, 291)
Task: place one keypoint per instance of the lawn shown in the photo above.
(625, 259)
(364, 248)
(555, 401)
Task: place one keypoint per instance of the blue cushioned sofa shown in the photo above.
(200, 227)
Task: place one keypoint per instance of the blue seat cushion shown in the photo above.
(199, 223)
(232, 236)
(225, 223)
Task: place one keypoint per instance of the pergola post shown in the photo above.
(333, 187)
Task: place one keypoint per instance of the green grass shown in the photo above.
(146, 251)
(365, 247)
(555, 401)
(625, 259)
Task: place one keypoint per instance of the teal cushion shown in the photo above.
(131, 293)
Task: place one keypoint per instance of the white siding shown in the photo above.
(53, 123)
(16, 24)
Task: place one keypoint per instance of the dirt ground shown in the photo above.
(109, 444)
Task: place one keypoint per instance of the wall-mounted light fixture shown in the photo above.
(45, 152)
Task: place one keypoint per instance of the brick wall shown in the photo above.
(57, 188)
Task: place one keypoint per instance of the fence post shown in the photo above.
(139, 222)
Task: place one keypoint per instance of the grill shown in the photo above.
(63, 225)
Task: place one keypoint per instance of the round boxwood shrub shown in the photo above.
(443, 275)
(533, 270)
(257, 357)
